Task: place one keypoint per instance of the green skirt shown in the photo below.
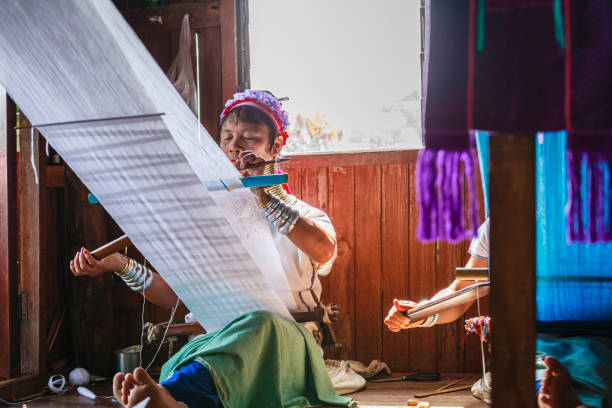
(262, 360)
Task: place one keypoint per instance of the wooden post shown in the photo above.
(229, 50)
(513, 268)
(31, 254)
(243, 50)
(9, 343)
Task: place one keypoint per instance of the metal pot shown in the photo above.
(126, 360)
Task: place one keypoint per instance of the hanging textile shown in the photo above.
(574, 280)
(515, 66)
(80, 73)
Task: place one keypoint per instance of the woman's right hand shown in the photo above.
(85, 264)
(396, 320)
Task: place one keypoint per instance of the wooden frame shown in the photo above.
(31, 255)
(9, 340)
(513, 268)
(362, 158)
(229, 54)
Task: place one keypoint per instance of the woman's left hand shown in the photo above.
(247, 158)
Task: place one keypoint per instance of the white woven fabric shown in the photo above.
(75, 60)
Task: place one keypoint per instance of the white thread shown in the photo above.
(142, 324)
(165, 332)
(47, 148)
(57, 384)
(78, 376)
(32, 155)
(197, 46)
(86, 392)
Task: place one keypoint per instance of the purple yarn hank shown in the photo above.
(588, 191)
(440, 185)
(427, 197)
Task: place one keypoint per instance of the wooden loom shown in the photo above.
(322, 314)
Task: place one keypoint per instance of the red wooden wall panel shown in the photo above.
(374, 211)
(368, 263)
(395, 252)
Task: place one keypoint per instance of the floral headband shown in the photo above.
(266, 103)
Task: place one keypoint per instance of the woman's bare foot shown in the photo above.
(130, 389)
(556, 387)
(118, 388)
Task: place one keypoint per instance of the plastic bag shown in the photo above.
(181, 70)
(343, 378)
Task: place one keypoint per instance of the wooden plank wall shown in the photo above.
(371, 200)
(9, 336)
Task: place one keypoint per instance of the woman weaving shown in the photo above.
(220, 368)
(570, 371)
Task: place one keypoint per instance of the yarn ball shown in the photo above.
(78, 376)
(57, 384)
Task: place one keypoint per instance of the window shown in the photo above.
(351, 69)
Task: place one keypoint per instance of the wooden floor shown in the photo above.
(375, 395)
(398, 393)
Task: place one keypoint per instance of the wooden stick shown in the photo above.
(469, 274)
(111, 247)
(450, 383)
(56, 328)
(184, 329)
(256, 165)
(452, 389)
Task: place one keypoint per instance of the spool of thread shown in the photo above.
(57, 384)
(86, 392)
(78, 376)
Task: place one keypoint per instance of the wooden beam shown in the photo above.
(242, 33)
(9, 343)
(31, 251)
(17, 388)
(55, 176)
(170, 18)
(512, 263)
(229, 50)
(369, 158)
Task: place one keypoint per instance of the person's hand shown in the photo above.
(85, 264)
(246, 158)
(396, 320)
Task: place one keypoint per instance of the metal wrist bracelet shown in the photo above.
(272, 204)
(126, 268)
(280, 214)
(430, 321)
(289, 223)
(136, 276)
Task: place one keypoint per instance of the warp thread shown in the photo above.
(32, 160)
(178, 301)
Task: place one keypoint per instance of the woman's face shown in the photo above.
(237, 137)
